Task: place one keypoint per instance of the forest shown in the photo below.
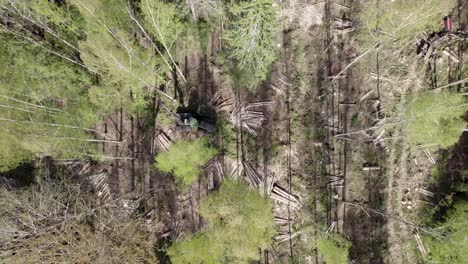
(233, 131)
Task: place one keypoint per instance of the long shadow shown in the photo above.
(452, 173)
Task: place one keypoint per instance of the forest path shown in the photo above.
(400, 238)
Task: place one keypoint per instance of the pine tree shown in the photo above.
(250, 40)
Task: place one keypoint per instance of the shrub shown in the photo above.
(436, 119)
(451, 248)
(184, 160)
(334, 249)
(239, 225)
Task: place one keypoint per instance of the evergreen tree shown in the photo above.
(250, 40)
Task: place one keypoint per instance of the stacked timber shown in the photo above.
(178, 231)
(425, 192)
(331, 227)
(420, 244)
(162, 141)
(335, 181)
(282, 237)
(215, 167)
(100, 186)
(245, 169)
(130, 205)
(220, 103)
(342, 26)
(281, 221)
(428, 48)
(281, 195)
(253, 176)
(429, 156)
(244, 116)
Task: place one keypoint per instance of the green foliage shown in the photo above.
(184, 159)
(28, 69)
(436, 118)
(226, 136)
(163, 20)
(240, 225)
(334, 249)
(250, 39)
(127, 69)
(38, 89)
(64, 18)
(60, 23)
(11, 152)
(451, 248)
(400, 21)
(166, 22)
(194, 249)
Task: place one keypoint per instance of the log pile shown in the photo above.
(162, 141)
(286, 236)
(87, 167)
(370, 168)
(342, 26)
(425, 192)
(253, 176)
(281, 221)
(245, 169)
(281, 195)
(331, 227)
(130, 205)
(100, 185)
(215, 167)
(246, 117)
(428, 48)
(220, 103)
(335, 180)
(178, 232)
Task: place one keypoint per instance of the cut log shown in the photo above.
(331, 227)
(451, 55)
(420, 243)
(281, 221)
(429, 156)
(101, 187)
(342, 31)
(366, 95)
(281, 195)
(425, 192)
(162, 141)
(371, 168)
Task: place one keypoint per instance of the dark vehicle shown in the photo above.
(186, 123)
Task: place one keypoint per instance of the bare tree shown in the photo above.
(59, 221)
